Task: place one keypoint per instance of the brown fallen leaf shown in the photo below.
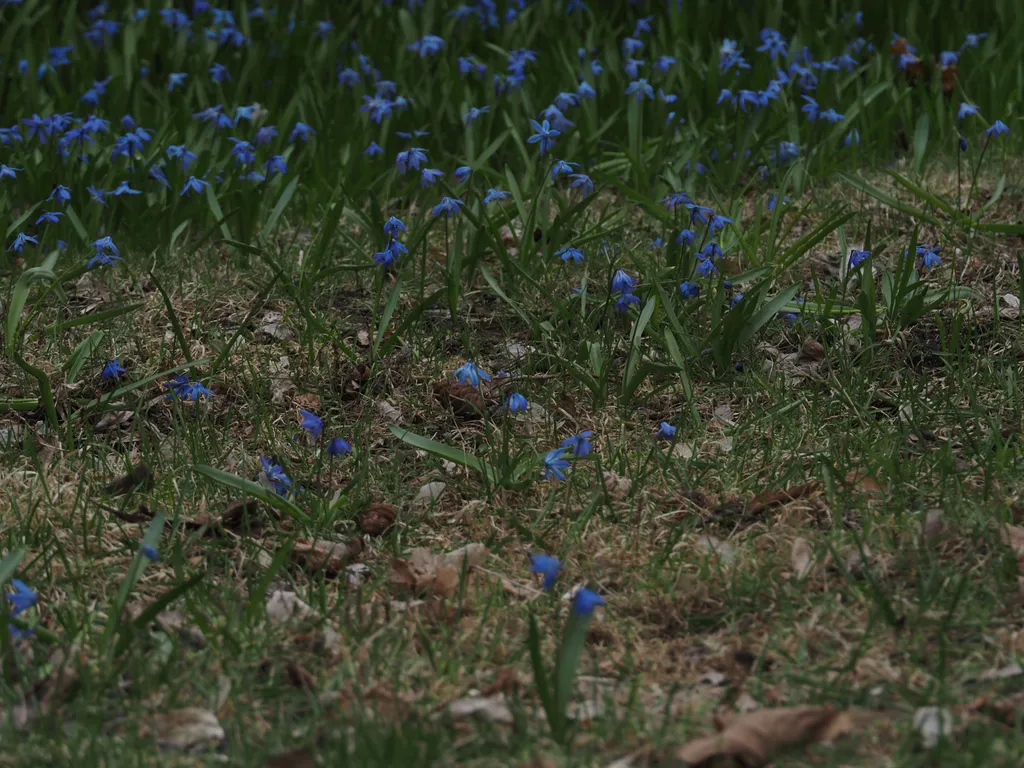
(774, 498)
(1013, 537)
(471, 555)
(801, 558)
(377, 519)
(331, 556)
(755, 737)
(464, 400)
(812, 350)
(188, 728)
(235, 515)
(618, 487)
(296, 758)
(863, 482)
(424, 572)
(308, 401)
(139, 479)
(493, 708)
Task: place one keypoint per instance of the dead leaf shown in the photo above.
(999, 673)
(331, 556)
(377, 519)
(721, 549)
(755, 737)
(388, 412)
(800, 557)
(811, 350)
(308, 401)
(113, 420)
(470, 555)
(493, 709)
(140, 478)
(618, 487)
(932, 723)
(863, 482)
(188, 728)
(423, 572)
(272, 325)
(283, 606)
(428, 494)
(773, 498)
(722, 445)
(1013, 537)
(682, 451)
(296, 758)
(175, 623)
(281, 383)
(363, 337)
(724, 414)
(464, 400)
(471, 509)
(931, 528)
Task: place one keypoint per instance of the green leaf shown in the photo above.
(19, 297)
(888, 199)
(250, 488)
(389, 310)
(766, 313)
(921, 141)
(635, 343)
(85, 349)
(282, 203)
(93, 317)
(144, 619)
(445, 451)
(218, 213)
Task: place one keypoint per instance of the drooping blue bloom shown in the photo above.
(494, 195)
(718, 223)
(962, 144)
(112, 371)
(6, 172)
(312, 423)
(96, 195)
(689, 290)
(266, 135)
(517, 403)
(706, 268)
(582, 181)
(586, 90)
(973, 40)
(410, 159)
(580, 443)
(22, 598)
(562, 166)
(810, 108)
(384, 258)
(666, 431)
(622, 282)
(62, 193)
(772, 43)
(219, 73)
(736, 299)
(428, 45)
(102, 260)
(176, 79)
(394, 227)
(631, 68)
(698, 213)
(20, 241)
(998, 128)
(275, 474)
(193, 185)
(686, 237)
(929, 256)
(853, 137)
(664, 63)
(544, 135)
(858, 257)
(570, 252)
(301, 131)
(966, 110)
(124, 188)
(585, 601)
(50, 217)
(673, 199)
(786, 152)
(555, 464)
(373, 149)
(243, 152)
(948, 58)
(449, 206)
(183, 154)
(831, 116)
(276, 164)
(474, 114)
(624, 301)
(150, 553)
(105, 245)
(472, 373)
(547, 566)
(640, 89)
(338, 447)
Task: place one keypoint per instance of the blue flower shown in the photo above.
(689, 290)
(973, 40)
(373, 149)
(102, 260)
(50, 217)
(810, 108)
(384, 258)
(718, 223)
(962, 144)
(641, 89)
(547, 566)
(582, 181)
(471, 372)
(394, 227)
(624, 301)
(105, 244)
(517, 403)
(698, 213)
(948, 58)
(474, 113)
(570, 252)
(449, 206)
(276, 164)
(494, 195)
(266, 135)
(929, 257)
(585, 601)
(853, 137)
(6, 172)
(686, 237)
(312, 423)
(622, 282)
(786, 152)
(562, 166)
(706, 268)
(554, 464)
(243, 151)
(192, 184)
(150, 553)
(735, 299)
(96, 195)
(276, 475)
(544, 135)
(580, 443)
(62, 193)
(858, 257)
(301, 131)
(219, 73)
(176, 79)
(586, 90)
(20, 241)
(22, 598)
(666, 431)
(664, 63)
(430, 176)
(112, 371)
(998, 128)
(410, 159)
(428, 45)
(462, 173)
(338, 447)
(831, 116)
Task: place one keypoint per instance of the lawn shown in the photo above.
(528, 383)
